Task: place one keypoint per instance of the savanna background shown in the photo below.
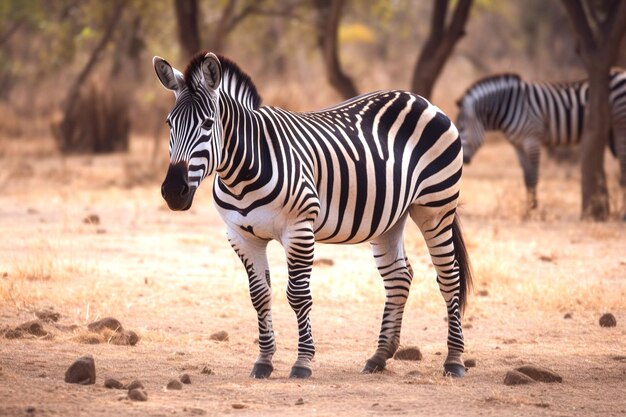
(84, 231)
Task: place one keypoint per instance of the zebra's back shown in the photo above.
(367, 160)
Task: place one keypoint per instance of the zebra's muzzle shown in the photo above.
(175, 189)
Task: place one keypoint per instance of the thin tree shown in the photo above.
(599, 26)
(329, 16)
(439, 45)
(187, 25)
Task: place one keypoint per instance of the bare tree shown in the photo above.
(439, 44)
(329, 16)
(599, 27)
(187, 24)
(67, 131)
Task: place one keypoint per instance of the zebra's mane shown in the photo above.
(235, 83)
(499, 79)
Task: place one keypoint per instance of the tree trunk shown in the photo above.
(595, 196)
(187, 23)
(329, 16)
(439, 45)
(598, 46)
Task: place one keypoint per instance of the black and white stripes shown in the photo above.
(348, 174)
(532, 114)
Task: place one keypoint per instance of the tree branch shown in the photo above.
(438, 22)
(616, 26)
(95, 54)
(582, 29)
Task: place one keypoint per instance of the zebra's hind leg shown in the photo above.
(447, 252)
(396, 272)
(252, 252)
(299, 246)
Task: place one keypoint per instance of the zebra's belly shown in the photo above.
(359, 221)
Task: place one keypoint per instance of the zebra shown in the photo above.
(534, 113)
(347, 174)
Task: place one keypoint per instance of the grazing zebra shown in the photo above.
(531, 114)
(348, 174)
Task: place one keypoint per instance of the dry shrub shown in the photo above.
(98, 122)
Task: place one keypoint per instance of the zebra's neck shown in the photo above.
(242, 146)
(492, 99)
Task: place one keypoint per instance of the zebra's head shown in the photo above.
(471, 129)
(195, 128)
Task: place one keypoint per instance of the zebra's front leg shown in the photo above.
(397, 274)
(252, 252)
(299, 246)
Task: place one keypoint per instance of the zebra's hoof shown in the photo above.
(300, 372)
(373, 367)
(454, 370)
(261, 370)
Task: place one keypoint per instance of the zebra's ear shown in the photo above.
(212, 71)
(169, 77)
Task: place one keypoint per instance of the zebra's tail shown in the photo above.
(465, 269)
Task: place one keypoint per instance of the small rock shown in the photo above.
(517, 378)
(125, 338)
(483, 293)
(92, 219)
(41, 375)
(238, 406)
(568, 316)
(410, 353)
(299, 401)
(137, 394)
(195, 411)
(221, 336)
(206, 371)
(30, 409)
(185, 379)
(48, 315)
(113, 383)
(608, 320)
(134, 385)
(470, 363)
(106, 323)
(82, 371)
(174, 384)
(34, 327)
(539, 373)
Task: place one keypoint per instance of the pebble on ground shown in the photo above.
(221, 336)
(470, 363)
(608, 320)
(517, 378)
(137, 394)
(174, 384)
(113, 383)
(134, 384)
(539, 373)
(82, 371)
(409, 353)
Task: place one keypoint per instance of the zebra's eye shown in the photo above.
(208, 123)
(167, 121)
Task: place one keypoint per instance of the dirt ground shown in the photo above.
(173, 279)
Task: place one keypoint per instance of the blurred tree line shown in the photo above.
(83, 67)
